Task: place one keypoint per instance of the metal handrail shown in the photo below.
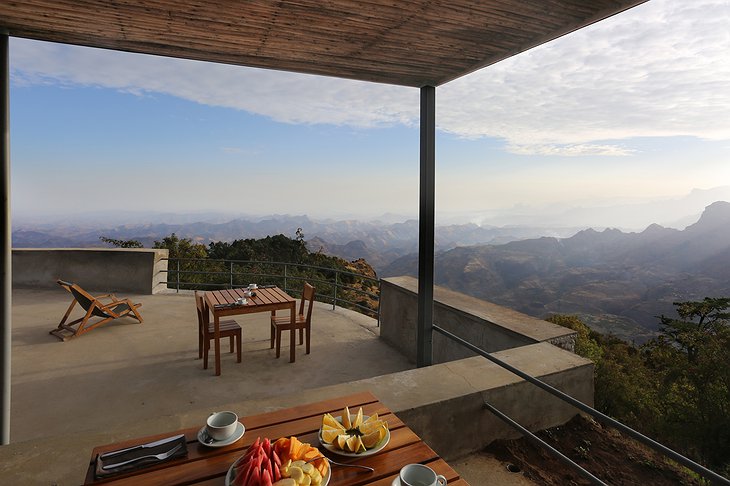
(661, 448)
(541, 443)
(287, 276)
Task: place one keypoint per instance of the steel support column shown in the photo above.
(5, 297)
(426, 215)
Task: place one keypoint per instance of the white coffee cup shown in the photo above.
(221, 425)
(420, 475)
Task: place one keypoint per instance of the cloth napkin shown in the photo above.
(142, 463)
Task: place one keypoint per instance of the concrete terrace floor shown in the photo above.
(127, 379)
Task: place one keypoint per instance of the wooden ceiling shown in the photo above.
(403, 42)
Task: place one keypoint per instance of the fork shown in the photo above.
(159, 457)
(367, 468)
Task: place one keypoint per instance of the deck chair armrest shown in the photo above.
(110, 305)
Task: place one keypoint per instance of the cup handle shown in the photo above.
(441, 480)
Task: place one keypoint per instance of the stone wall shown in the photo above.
(130, 270)
(488, 326)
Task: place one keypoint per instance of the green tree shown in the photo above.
(691, 361)
(122, 243)
(190, 258)
(586, 343)
(622, 384)
(699, 322)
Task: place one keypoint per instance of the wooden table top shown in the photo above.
(223, 302)
(208, 466)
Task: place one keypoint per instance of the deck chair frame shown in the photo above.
(94, 307)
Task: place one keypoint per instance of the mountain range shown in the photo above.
(617, 282)
(378, 242)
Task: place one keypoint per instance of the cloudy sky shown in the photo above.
(633, 108)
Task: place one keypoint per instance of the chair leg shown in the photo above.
(230, 343)
(278, 341)
(238, 339)
(308, 334)
(200, 346)
(272, 336)
(301, 336)
(205, 354)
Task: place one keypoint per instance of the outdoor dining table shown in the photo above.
(208, 466)
(224, 303)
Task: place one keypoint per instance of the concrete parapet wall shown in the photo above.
(444, 403)
(132, 270)
(488, 326)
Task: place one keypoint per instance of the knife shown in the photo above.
(142, 446)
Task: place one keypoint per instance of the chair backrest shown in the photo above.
(85, 299)
(308, 298)
(202, 310)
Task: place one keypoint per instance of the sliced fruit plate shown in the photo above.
(355, 435)
(286, 462)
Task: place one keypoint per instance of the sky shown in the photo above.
(633, 109)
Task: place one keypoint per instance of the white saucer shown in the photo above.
(396, 482)
(240, 430)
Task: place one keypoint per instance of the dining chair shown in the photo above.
(302, 321)
(206, 331)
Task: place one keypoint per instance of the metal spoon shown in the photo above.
(206, 438)
(367, 468)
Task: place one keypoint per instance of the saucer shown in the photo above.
(240, 429)
(396, 482)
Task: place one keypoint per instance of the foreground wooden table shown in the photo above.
(208, 466)
(221, 304)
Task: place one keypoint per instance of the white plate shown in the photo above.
(325, 479)
(336, 450)
(240, 430)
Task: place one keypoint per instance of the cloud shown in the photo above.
(658, 70)
(282, 96)
(570, 150)
(661, 69)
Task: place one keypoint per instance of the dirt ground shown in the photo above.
(604, 452)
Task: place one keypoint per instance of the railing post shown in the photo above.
(285, 275)
(334, 294)
(178, 276)
(231, 275)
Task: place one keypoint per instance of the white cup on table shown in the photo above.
(420, 475)
(221, 425)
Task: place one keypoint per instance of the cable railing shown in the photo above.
(601, 417)
(335, 286)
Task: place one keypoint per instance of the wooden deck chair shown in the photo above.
(94, 307)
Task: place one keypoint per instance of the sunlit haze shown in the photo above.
(631, 113)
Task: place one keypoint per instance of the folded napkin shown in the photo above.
(135, 453)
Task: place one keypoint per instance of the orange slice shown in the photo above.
(346, 418)
(329, 434)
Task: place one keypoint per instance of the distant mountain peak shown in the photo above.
(715, 215)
